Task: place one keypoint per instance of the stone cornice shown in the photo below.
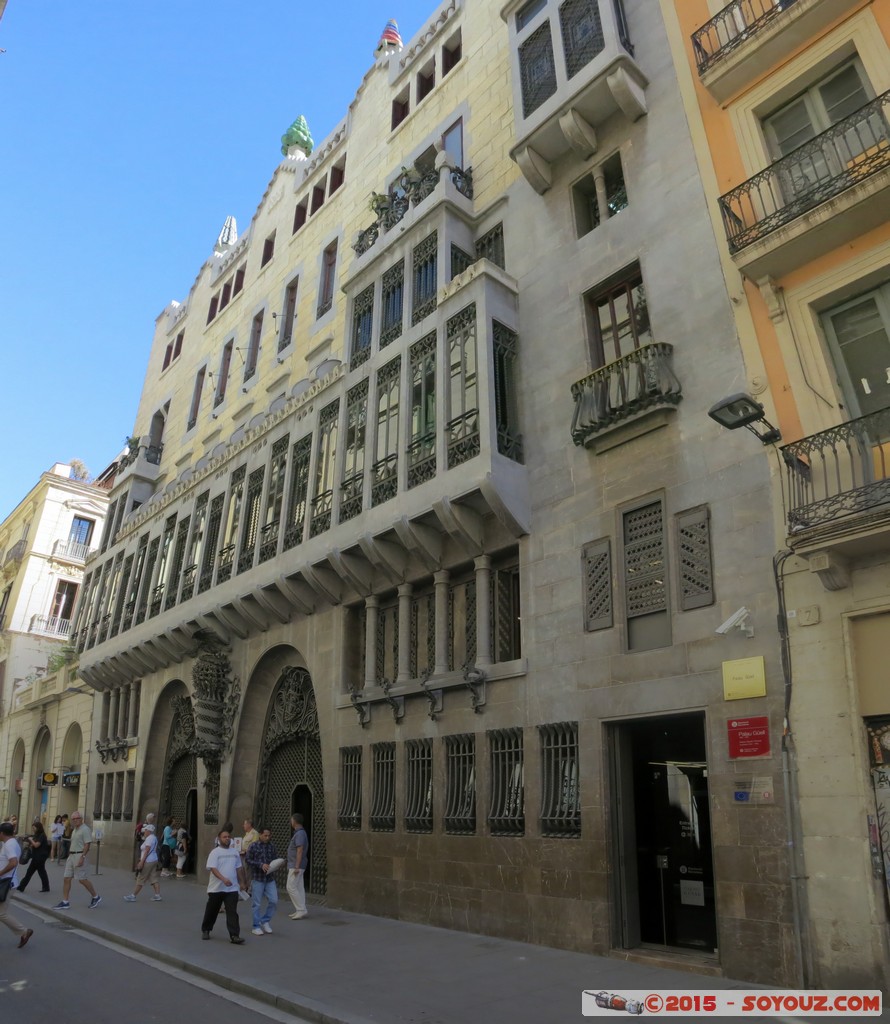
(426, 35)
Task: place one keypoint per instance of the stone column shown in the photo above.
(483, 611)
(602, 201)
(135, 692)
(440, 580)
(123, 710)
(404, 673)
(372, 610)
(106, 715)
(112, 717)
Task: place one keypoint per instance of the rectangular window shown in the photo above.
(135, 578)
(238, 282)
(352, 484)
(63, 601)
(225, 295)
(317, 197)
(172, 582)
(392, 300)
(362, 326)
(383, 787)
(537, 69)
(222, 379)
(451, 53)
(490, 246)
(560, 789)
(419, 786)
(328, 278)
(211, 312)
(157, 595)
(645, 578)
(300, 214)
(463, 401)
(401, 106)
(251, 524)
(289, 317)
(233, 518)
(693, 539)
(422, 445)
(858, 333)
(425, 266)
(118, 805)
(506, 614)
(386, 643)
(196, 541)
(299, 492)
(81, 531)
(426, 81)
(453, 144)
(121, 596)
(527, 12)
(108, 796)
(506, 811)
(97, 796)
(268, 249)
(349, 813)
(460, 784)
(385, 472)
(129, 795)
(582, 33)
(506, 346)
(326, 458)
(618, 319)
(462, 623)
(272, 514)
(253, 347)
(599, 195)
(196, 398)
(338, 172)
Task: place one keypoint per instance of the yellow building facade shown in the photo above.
(788, 105)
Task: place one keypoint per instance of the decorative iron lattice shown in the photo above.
(582, 33)
(150, 560)
(322, 508)
(214, 521)
(269, 540)
(460, 260)
(491, 246)
(392, 303)
(422, 447)
(386, 643)
(731, 27)
(846, 154)
(462, 624)
(250, 527)
(506, 639)
(463, 438)
(462, 430)
(462, 179)
(506, 345)
(299, 489)
(349, 813)
(190, 572)
(421, 460)
(506, 811)
(362, 326)
(537, 69)
(838, 472)
(391, 214)
(460, 784)
(366, 238)
(352, 484)
(560, 791)
(226, 561)
(597, 564)
(181, 768)
(423, 635)
(129, 795)
(292, 763)
(643, 379)
(385, 483)
(425, 264)
(178, 557)
(383, 787)
(644, 565)
(419, 786)
(98, 810)
(694, 555)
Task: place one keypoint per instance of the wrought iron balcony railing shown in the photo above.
(50, 625)
(71, 550)
(16, 552)
(846, 154)
(838, 472)
(641, 380)
(731, 27)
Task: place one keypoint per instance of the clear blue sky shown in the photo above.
(127, 133)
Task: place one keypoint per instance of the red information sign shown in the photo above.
(748, 737)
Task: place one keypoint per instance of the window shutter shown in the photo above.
(696, 578)
(597, 564)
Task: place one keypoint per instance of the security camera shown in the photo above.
(738, 620)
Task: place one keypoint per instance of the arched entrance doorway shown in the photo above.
(17, 774)
(179, 797)
(72, 760)
(40, 763)
(290, 772)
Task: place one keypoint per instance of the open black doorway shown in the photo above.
(662, 833)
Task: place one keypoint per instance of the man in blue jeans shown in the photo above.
(259, 856)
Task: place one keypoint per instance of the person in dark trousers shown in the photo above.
(40, 850)
(226, 878)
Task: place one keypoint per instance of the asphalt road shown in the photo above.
(71, 977)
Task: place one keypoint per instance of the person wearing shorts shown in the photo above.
(147, 866)
(76, 863)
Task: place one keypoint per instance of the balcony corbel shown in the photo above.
(388, 558)
(463, 525)
(325, 583)
(213, 625)
(269, 598)
(252, 613)
(356, 572)
(233, 621)
(579, 134)
(832, 569)
(421, 541)
(297, 593)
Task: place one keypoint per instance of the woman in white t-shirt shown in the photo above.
(56, 831)
(147, 866)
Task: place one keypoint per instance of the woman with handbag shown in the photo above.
(39, 846)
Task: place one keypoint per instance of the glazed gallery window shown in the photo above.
(618, 318)
(196, 398)
(289, 317)
(858, 334)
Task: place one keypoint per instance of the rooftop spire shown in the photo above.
(228, 236)
(297, 136)
(390, 41)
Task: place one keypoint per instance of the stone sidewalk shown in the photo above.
(342, 968)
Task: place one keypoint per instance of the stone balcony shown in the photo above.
(71, 551)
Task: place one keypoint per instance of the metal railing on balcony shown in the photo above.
(71, 550)
(643, 379)
(50, 625)
(838, 472)
(731, 27)
(16, 552)
(846, 154)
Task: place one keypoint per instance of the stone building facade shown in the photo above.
(424, 530)
(788, 107)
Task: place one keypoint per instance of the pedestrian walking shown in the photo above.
(57, 830)
(167, 847)
(40, 851)
(147, 867)
(10, 851)
(226, 878)
(65, 842)
(182, 848)
(297, 860)
(260, 856)
(76, 863)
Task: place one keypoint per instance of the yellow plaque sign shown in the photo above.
(744, 677)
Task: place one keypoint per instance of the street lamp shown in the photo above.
(741, 410)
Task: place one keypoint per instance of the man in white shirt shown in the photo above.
(10, 851)
(147, 866)
(226, 878)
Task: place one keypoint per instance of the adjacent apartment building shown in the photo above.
(788, 105)
(44, 545)
(424, 532)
